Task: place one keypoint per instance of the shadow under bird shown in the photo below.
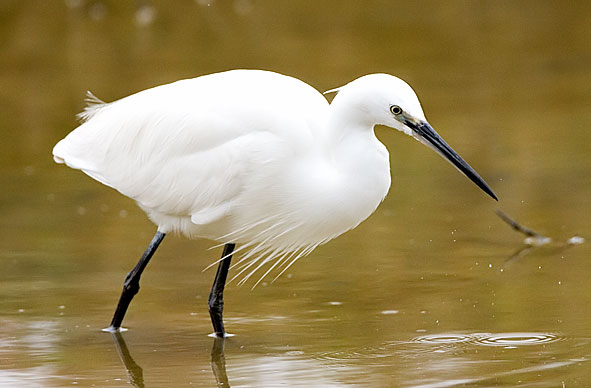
(249, 157)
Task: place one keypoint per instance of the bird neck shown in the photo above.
(361, 159)
(347, 117)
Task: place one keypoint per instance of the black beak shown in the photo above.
(427, 135)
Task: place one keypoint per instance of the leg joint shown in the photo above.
(131, 287)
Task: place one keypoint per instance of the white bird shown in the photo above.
(249, 157)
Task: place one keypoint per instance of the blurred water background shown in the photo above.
(434, 290)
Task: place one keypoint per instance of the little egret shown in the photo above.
(249, 157)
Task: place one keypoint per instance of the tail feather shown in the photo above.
(93, 106)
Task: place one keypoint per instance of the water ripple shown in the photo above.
(445, 338)
(442, 342)
(517, 339)
(487, 339)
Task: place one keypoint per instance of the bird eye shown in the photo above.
(395, 109)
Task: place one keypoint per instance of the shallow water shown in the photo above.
(434, 290)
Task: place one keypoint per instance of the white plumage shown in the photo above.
(247, 156)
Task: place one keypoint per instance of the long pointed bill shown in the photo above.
(423, 132)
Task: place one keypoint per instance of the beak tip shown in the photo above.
(489, 191)
(427, 135)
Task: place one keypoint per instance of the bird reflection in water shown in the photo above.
(135, 373)
(218, 362)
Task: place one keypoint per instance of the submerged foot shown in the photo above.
(113, 329)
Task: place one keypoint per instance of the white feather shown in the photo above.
(93, 105)
(244, 156)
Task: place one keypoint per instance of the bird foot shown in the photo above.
(226, 335)
(112, 329)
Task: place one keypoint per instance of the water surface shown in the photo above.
(434, 290)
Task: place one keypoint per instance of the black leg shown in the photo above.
(131, 286)
(216, 296)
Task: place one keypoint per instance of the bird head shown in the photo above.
(387, 100)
